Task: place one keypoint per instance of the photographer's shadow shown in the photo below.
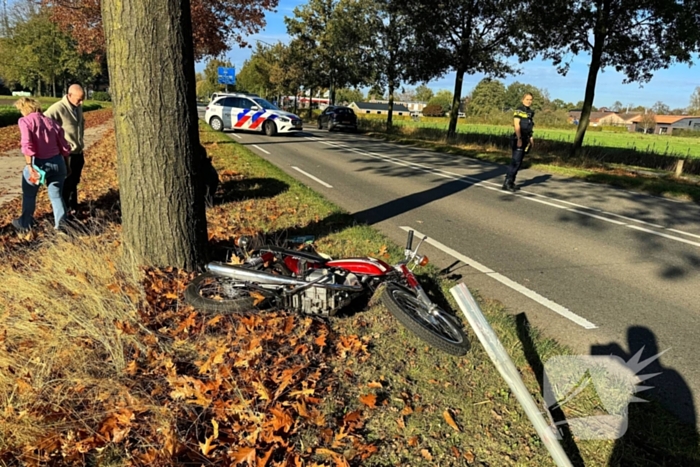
(655, 435)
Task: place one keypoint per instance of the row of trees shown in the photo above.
(383, 43)
(336, 44)
(36, 54)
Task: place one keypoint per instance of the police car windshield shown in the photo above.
(264, 104)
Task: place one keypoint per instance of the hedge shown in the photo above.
(686, 133)
(9, 115)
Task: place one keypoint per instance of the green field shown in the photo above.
(657, 144)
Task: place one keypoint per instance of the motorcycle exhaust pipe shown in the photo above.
(249, 275)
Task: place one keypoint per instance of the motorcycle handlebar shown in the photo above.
(409, 242)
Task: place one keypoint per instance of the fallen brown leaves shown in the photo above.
(9, 135)
(193, 389)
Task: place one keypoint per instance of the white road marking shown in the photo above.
(312, 177)
(683, 233)
(237, 135)
(555, 307)
(259, 148)
(682, 240)
(529, 196)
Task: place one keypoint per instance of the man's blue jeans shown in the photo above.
(55, 169)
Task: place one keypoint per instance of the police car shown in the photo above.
(240, 111)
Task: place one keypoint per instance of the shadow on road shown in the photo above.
(655, 437)
(413, 201)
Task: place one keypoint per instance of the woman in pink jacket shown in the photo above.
(44, 146)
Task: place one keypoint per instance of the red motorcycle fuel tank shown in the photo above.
(364, 266)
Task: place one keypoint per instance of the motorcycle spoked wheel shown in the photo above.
(209, 292)
(439, 329)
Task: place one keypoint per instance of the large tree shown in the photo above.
(424, 93)
(216, 23)
(515, 92)
(634, 37)
(444, 99)
(394, 49)
(264, 72)
(694, 106)
(208, 81)
(467, 36)
(488, 96)
(349, 95)
(659, 108)
(151, 60)
(336, 38)
(36, 51)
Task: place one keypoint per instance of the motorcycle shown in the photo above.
(272, 277)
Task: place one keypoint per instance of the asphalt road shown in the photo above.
(603, 270)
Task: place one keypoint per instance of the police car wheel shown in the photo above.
(216, 124)
(270, 128)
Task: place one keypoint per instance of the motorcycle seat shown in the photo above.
(297, 253)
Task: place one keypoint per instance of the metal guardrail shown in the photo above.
(506, 368)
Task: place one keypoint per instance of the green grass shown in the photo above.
(658, 144)
(414, 384)
(626, 168)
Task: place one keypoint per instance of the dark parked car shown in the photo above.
(336, 116)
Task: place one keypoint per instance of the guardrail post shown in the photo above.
(506, 368)
(679, 167)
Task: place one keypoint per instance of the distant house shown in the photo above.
(378, 108)
(665, 124)
(413, 106)
(629, 120)
(598, 118)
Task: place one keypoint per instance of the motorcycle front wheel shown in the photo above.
(436, 327)
(209, 292)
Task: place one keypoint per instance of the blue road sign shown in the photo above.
(227, 75)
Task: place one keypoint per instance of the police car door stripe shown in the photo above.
(242, 118)
(256, 120)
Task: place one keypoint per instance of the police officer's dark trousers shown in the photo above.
(515, 162)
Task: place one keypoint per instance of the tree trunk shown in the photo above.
(152, 82)
(311, 104)
(593, 69)
(296, 102)
(456, 99)
(53, 84)
(390, 116)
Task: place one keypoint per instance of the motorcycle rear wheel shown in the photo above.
(437, 328)
(212, 293)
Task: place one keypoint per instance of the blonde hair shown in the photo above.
(27, 105)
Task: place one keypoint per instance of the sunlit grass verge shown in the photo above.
(63, 312)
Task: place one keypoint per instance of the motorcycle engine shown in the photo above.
(321, 301)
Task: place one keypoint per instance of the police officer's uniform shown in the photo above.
(527, 125)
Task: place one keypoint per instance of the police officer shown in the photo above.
(521, 141)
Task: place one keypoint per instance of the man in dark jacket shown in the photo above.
(521, 141)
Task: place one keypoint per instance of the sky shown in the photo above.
(673, 86)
